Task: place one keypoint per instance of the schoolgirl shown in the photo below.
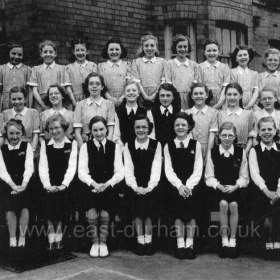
(100, 168)
(181, 70)
(245, 77)
(213, 73)
(45, 74)
(149, 69)
(93, 105)
(77, 71)
(115, 71)
(143, 161)
(57, 167)
(16, 164)
(57, 100)
(205, 117)
(183, 169)
(14, 73)
(264, 160)
(242, 119)
(227, 173)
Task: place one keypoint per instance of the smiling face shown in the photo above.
(114, 52)
(56, 131)
(99, 131)
(227, 137)
(267, 132)
(95, 87)
(242, 58)
(181, 127)
(55, 96)
(268, 100)
(233, 96)
(16, 55)
(48, 54)
(165, 97)
(149, 48)
(80, 52)
(141, 129)
(18, 101)
(131, 93)
(14, 135)
(199, 96)
(211, 53)
(272, 62)
(182, 49)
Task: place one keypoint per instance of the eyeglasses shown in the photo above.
(229, 136)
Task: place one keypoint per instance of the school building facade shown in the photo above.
(232, 22)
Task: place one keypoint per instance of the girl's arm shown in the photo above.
(209, 175)
(251, 132)
(4, 175)
(44, 167)
(71, 94)
(30, 97)
(130, 179)
(244, 178)
(38, 97)
(28, 166)
(2, 141)
(211, 140)
(110, 132)
(253, 100)
(221, 100)
(78, 136)
(34, 143)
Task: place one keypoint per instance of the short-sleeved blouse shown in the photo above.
(270, 80)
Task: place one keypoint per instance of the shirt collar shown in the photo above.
(111, 64)
(185, 142)
(98, 102)
(22, 113)
(179, 64)
(153, 60)
(241, 70)
(216, 64)
(169, 108)
(83, 65)
(238, 112)
(11, 66)
(49, 65)
(142, 146)
(222, 150)
(62, 111)
(16, 147)
(266, 114)
(263, 146)
(195, 110)
(65, 140)
(275, 74)
(97, 143)
(129, 109)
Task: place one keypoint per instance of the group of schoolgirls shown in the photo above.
(126, 116)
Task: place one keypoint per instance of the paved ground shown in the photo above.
(126, 265)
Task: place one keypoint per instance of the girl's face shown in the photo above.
(16, 55)
(233, 96)
(149, 48)
(131, 93)
(272, 62)
(165, 97)
(48, 54)
(227, 137)
(242, 58)
(267, 132)
(99, 131)
(181, 127)
(56, 131)
(95, 86)
(267, 100)
(18, 101)
(182, 49)
(114, 52)
(199, 96)
(55, 96)
(14, 135)
(141, 129)
(211, 53)
(80, 52)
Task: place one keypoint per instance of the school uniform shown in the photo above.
(264, 165)
(57, 166)
(16, 164)
(143, 169)
(101, 167)
(270, 80)
(227, 167)
(183, 166)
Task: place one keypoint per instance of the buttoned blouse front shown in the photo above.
(270, 80)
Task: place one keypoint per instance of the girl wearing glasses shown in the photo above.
(227, 173)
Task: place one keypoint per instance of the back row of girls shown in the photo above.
(149, 70)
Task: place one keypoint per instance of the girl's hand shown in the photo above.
(230, 188)
(273, 196)
(51, 189)
(184, 191)
(221, 188)
(61, 188)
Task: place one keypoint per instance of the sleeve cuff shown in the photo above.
(32, 84)
(77, 125)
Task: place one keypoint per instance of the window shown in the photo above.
(229, 35)
(273, 43)
(179, 27)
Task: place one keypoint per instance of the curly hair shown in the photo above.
(188, 118)
(104, 53)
